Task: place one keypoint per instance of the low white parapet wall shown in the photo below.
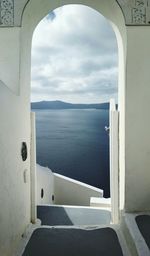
(53, 188)
(100, 202)
(72, 192)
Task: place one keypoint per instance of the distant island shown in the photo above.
(64, 105)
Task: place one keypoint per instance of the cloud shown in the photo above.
(74, 57)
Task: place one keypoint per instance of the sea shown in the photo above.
(74, 143)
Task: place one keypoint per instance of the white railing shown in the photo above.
(114, 162)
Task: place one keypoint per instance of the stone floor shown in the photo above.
(57, 215)
(73, 242)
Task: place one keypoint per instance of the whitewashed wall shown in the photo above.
(66, 191)
(14, 129)
(72, 192)
(45, 181)
(137, 122)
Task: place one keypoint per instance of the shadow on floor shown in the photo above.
(54, 216)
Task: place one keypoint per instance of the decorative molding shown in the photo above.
(6, 13)
(136, 12)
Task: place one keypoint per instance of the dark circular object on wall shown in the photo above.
(24, 151)
(42, 193)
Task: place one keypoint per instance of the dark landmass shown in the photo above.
(64, 105)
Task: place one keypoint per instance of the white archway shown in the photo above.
(36, 10)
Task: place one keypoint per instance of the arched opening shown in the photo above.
(119, 28)
(91, 76)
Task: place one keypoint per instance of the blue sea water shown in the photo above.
(74, 143)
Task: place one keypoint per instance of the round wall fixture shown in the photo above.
(24, 152)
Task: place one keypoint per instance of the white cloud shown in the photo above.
(74, 57)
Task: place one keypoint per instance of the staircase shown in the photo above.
(74, 231)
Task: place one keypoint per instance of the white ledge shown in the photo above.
(79, 183)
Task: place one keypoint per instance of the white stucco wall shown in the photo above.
(137, 128)
(14, 129)
(45, 181)
(72, 192)
(10, 59)
(66, 191)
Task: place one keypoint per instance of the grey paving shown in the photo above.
(73, 242)
(143, 222)
(54, 216)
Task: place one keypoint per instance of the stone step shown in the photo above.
(73, 242)
(68, 215)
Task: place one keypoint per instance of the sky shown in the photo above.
(74, 57)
